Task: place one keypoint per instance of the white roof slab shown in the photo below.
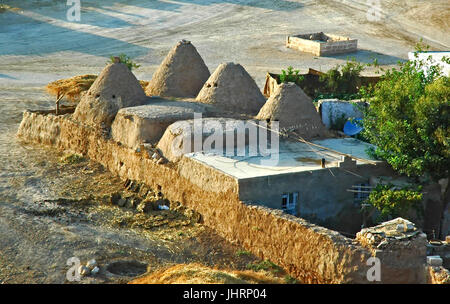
(292, 157)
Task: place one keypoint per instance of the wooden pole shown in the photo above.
(58, 99)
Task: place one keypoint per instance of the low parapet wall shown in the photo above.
(308, 252)
(330, 45)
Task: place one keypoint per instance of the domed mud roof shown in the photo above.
(231, 88)
(181, 74)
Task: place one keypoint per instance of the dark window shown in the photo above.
(284, 200)
(361, 193)
(289, 202)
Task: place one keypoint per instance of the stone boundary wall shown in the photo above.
(308, 252)
(322, 48)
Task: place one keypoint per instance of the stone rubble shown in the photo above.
(95, 270)
(434, 260)
(438, 275)
(83, 270)
(385, 234)
(144, 200)
(91, 264)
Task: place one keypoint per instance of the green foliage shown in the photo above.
(394, 203)
(421, 46)
(73, 158)
(243, 253)
(340, 96)
(342, 81)
(265, 265)
(126, 60)
(408, 119)
(290, 280)
(290, 75)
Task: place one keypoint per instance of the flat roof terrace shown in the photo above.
(292, 157)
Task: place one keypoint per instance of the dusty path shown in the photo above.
(38, 45)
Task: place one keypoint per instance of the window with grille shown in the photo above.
(361, 192)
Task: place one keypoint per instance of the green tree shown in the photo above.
(391, 202)
(408, 119)
(125, 60)
(343, 79)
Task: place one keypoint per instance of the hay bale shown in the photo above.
(115, 88)
(294, 110)
(73, 88)
(181, 74)
(231, 88)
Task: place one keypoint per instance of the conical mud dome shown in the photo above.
(116, 87)
(181, 74)
(294, 110)
(231, 88)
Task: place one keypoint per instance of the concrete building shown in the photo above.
(329, 194)
(322, 180)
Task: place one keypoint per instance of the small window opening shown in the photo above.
(289, 202)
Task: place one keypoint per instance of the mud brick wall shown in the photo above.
(308, 252)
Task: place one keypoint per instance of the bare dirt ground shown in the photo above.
(38, 45)
(73, 218)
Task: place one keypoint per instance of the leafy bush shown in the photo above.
(290, 75)
(342, 81)
(341, 96)
(126, 60)
(408, 119)
(394, 203)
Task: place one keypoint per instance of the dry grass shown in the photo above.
(199, 274)
(144, 84)
(73, 87)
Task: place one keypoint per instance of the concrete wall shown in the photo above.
(322, 48)
(338, 47)
(332, 109)
(303, 45)
(308, 252)
(323, 196)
